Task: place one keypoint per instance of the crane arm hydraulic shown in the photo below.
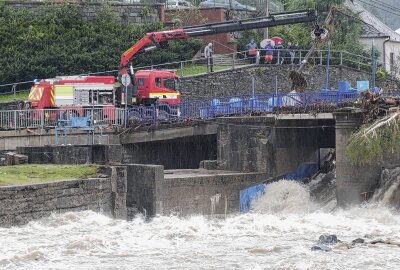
(160, 39)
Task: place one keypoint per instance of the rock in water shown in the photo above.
(328, 239)
(377, 241)
(358, 241)
(321, 248)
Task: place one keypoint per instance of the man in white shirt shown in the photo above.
(208, 53)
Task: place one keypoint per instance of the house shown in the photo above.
(385, 40)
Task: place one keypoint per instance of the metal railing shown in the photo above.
(50, 118)
(202, 109)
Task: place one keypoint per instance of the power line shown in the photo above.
(360, 20)
(385, 5)
(380, 8)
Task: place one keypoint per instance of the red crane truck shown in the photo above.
(75, 93)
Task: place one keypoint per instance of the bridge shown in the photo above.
(205, 109)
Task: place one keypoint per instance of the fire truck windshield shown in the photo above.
(170, 83)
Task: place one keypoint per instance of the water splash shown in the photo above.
(284, 197)
(388, 191)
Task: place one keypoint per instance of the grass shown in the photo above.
(10, 97)
(22, 174)
(195, 70)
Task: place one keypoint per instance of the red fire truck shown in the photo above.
(75, 93)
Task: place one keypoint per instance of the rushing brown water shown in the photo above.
(278, 234)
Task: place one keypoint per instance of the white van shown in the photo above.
(178, 4)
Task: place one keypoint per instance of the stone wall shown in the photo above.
(23, 203)
(125, 13)
(20, 204)
(238, 81)
(127, 190)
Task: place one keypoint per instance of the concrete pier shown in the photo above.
(355, 183)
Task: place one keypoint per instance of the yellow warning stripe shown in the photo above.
(52, 96)
(36, 93)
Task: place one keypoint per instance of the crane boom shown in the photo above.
(160, 38)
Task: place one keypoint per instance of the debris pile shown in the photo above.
(299, 83)
(378, 105)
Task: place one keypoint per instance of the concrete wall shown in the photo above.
(203, 192)
(186, 192)
(125, 13)
(352, 180)
(11, 139)
(275, 145)
(238, 81)
(182, 153)
(127, 190)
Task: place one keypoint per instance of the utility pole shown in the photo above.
(266, 14)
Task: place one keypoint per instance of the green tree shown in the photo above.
(58, 41)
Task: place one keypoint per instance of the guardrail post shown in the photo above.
(279, 57)
(341, 58)
(320, 58)
(233, 61)
(154, 114)
(181, 69)
(300, 57)
(14, 89)
(42, 118)
(15, 120)
(241, 107)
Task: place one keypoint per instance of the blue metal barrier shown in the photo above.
(209, 108)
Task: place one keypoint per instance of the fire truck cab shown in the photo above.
(156, 85)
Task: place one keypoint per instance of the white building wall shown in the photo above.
(392, 53)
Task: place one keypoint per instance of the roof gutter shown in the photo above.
(384, 52)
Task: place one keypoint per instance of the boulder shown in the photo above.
(320, 248)
(358, 241)
(328, 239)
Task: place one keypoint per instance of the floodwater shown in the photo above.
(278, 234)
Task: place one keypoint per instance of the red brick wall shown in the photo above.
(212, 15)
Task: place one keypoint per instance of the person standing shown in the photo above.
(208, 53)
(252, 51)
(291, 54)
(268, 52)
(295, 49)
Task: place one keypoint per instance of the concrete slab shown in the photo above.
(192, 173)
